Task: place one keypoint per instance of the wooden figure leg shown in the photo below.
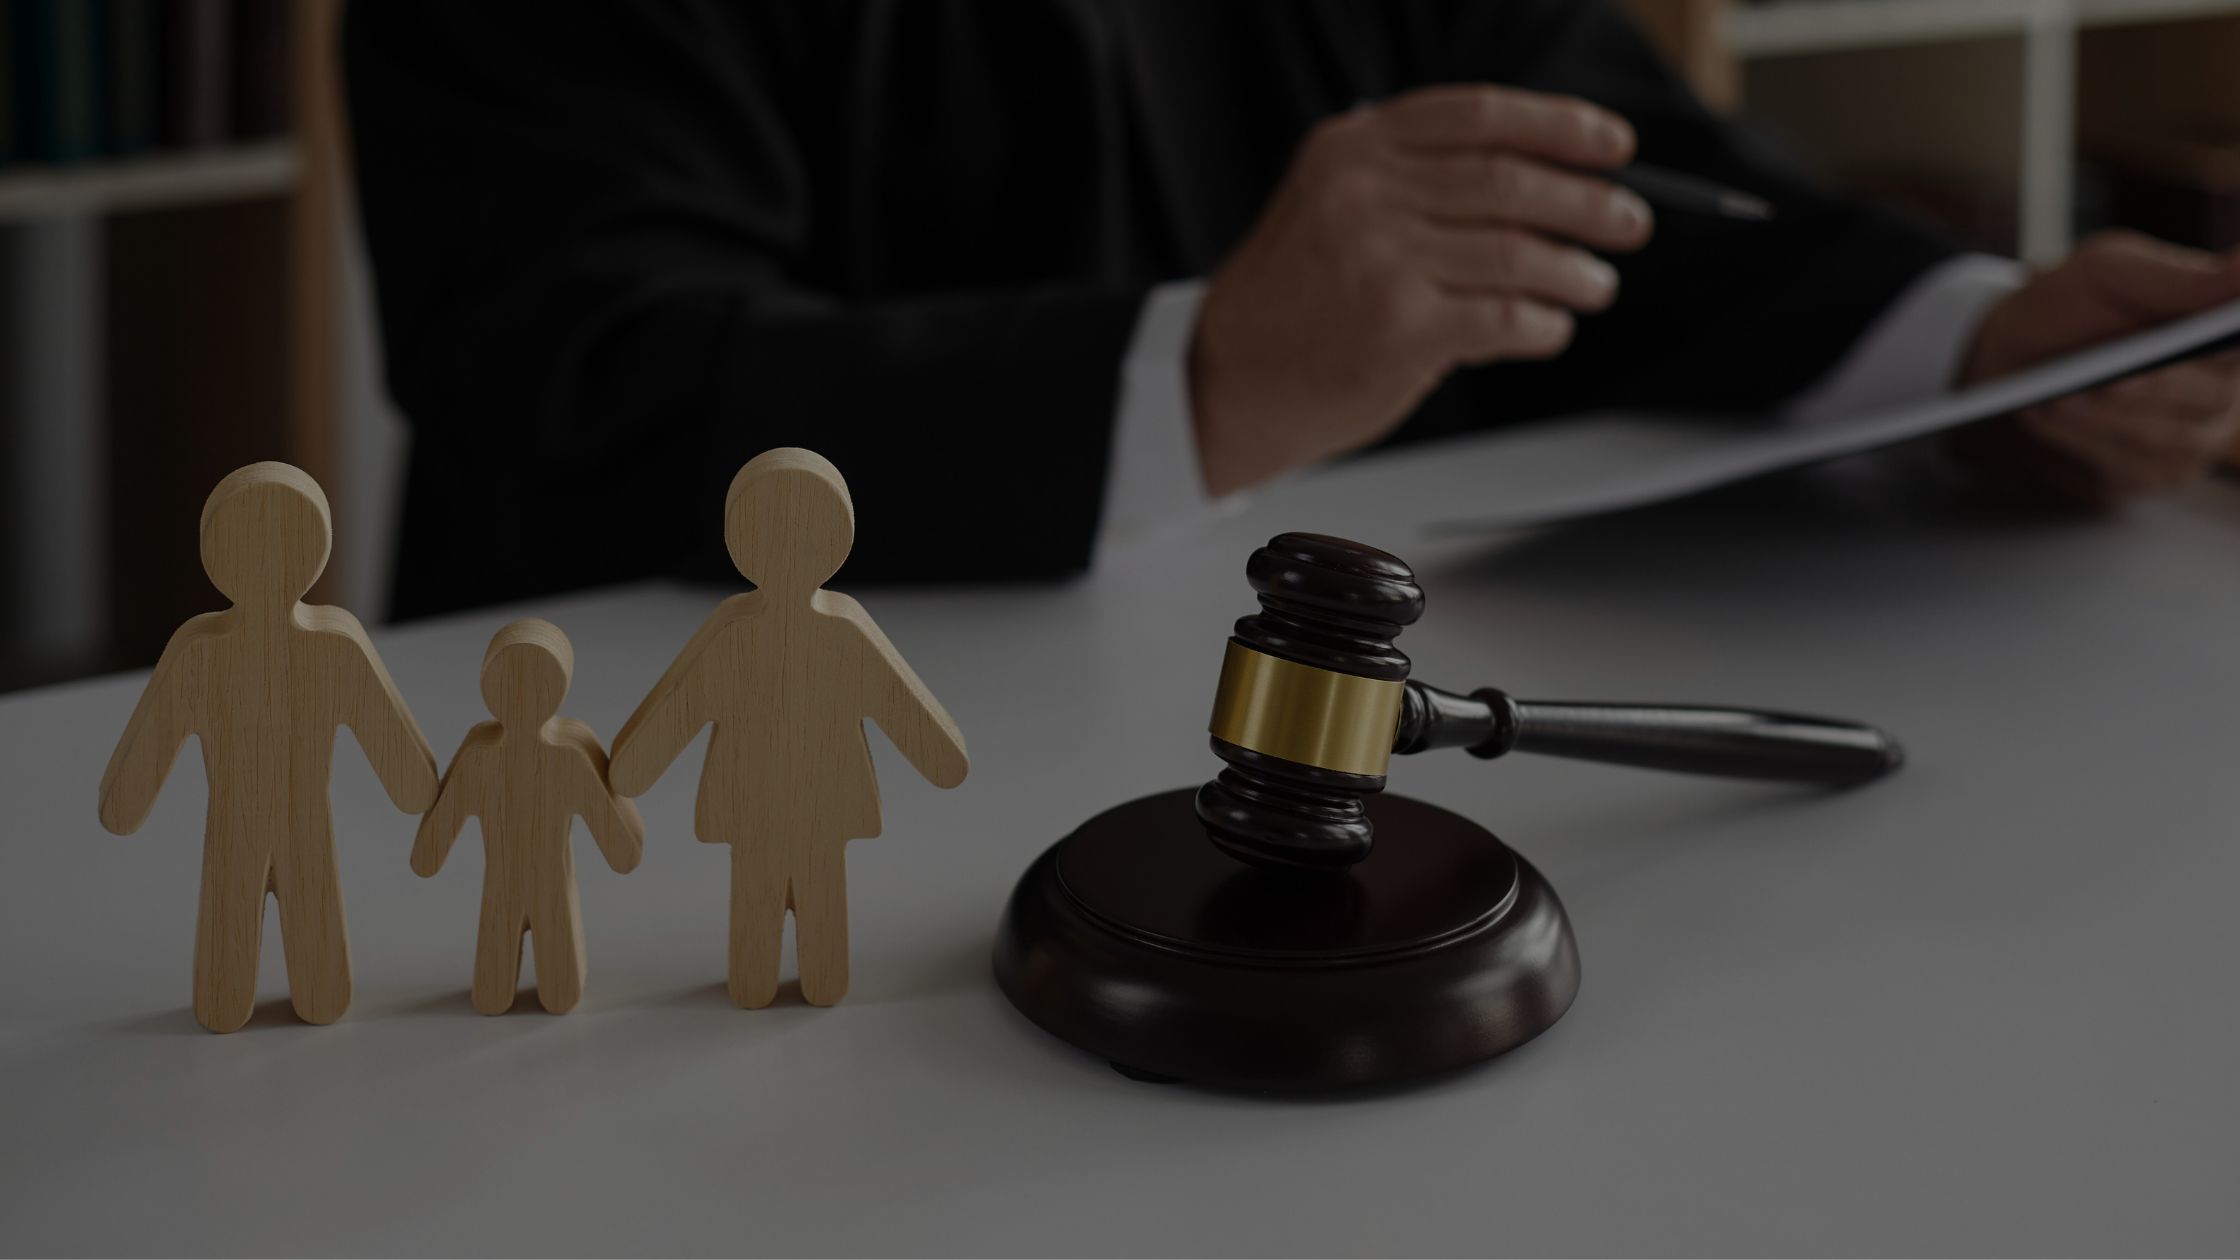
(820, 924)
(557, 932)
(313, 937)
(497, 953)
(758, 924)
(229, 929)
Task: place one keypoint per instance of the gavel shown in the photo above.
(1283, 955)
(1314, 700)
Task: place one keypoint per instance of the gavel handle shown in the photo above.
(1736, 743)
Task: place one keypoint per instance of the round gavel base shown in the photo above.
(1136, 940)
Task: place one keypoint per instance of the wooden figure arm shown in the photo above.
(455, 799)
(615, 823)
(907, 711)
(375, 712)
(158, 728)
(672, 713)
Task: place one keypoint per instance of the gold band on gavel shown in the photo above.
(1316, 717)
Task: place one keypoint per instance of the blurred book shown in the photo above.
(11, 86)
(262, 37)
(132, 43)
(197, 69)
(81, 79)
(59, 64)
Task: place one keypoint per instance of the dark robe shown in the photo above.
(621, 247)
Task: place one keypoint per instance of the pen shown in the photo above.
(1672, 190)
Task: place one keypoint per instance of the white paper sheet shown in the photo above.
(1583, 465)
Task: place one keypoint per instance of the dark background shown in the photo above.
(182, 289)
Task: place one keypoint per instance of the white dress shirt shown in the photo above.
(1911, 351)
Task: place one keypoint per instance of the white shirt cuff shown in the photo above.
(1914, 349)
(1154, 488)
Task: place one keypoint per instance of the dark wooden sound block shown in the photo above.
(1138, 941)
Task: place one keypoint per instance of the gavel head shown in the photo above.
(1308, 703)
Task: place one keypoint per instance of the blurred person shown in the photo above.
(1041, 275)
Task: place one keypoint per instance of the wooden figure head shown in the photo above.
(789, 521)
(266, 532)
(525, 673)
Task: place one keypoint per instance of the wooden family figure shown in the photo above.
(263, 685)
(527, 776)
(786, 674)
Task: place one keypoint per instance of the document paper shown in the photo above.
(1584, 465)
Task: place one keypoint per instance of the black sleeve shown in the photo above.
(593, 239)
(1713, 314)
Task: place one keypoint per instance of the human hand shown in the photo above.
(2149, 432)
(1441, 228)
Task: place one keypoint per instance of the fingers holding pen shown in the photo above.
(1493, 179)
(1504, 188)
(1495, 327)
(1481, 155)
(1559, 129)
(1513, 261)
(1449, 226)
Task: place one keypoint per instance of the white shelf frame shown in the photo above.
(2047, 201)
(1818, 26)
(2047, 31)
(1812, 26)
(184, 178)
(2131, 12)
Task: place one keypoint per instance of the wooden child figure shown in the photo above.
(263, 685)
(526, 776)
(787, 673)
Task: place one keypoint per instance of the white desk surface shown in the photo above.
(1988, 1005)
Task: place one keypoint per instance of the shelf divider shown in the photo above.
(158, 181)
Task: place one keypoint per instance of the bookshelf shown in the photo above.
(168, 316)
(1998, 94)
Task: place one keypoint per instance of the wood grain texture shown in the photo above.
(527, 776)
(787, 675)
(263, 685)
